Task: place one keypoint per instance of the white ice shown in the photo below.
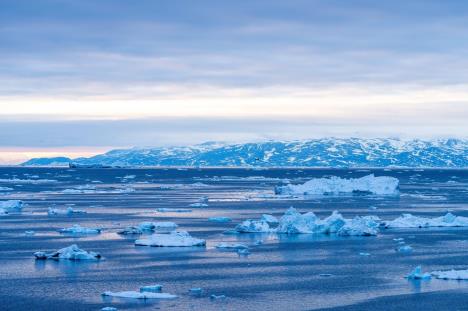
(140, 295)
(72, 252)
(68, 211)
(11, 205)
(417, 274)
(147, 226)
(219, 219)
(77, 229)
(410, 221)
(174, 239)
(231, 245)
(383, 185)
(151, 288)
(451, 274)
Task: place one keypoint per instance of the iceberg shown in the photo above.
(77, 229)
(72, 252)
(451, 274)
(405, 249)
(173, 239)
(417, 274)
(69, 211)
(293, 222)
(232, 246)
(151, 288)
(11, 206)
(383, 185)
(198, 204)
(410, 221)
(109, 309)
(139, 295)
(163, 226)
(270, 219)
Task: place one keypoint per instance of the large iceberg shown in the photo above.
(293, 222)
(72, 252)
(410, 221)
(383, 185)
(175, 239)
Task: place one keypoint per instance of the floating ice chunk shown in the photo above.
(360, 226)
(410, 221)
(270, 219)
(293, 222)
(196, 291)
(219, 219)
(77, 229)
(198, 204)
(451, 274)
(29, 233)
(417, 274)
(232, 245)
(147, 226)
(203, 199)
(364, 254)
(217, 297)
(398, 239)
(243, 252)
(3, 211)
(151, 288)
(11, 205)
(109, 309)
(6, 189)
(174, 210)
(175, 239)
(69, 211)
(253, 226)
(383, 185)
(72, 252)
(325, 274)
(139, 295)
(405, 249)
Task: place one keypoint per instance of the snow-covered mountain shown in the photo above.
(326, 152)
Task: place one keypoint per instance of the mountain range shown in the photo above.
(325, 152)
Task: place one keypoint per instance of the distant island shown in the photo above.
(326, 152)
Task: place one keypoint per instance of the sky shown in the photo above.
(81, 77)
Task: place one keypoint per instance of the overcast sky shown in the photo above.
(80, 77)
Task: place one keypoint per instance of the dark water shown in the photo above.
(281, 274)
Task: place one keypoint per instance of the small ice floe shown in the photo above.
(68, 211)
(231, 245)
(417, 274)
(162, 227)
(217, 297)
(325, 274)
(6, 189)
(28, 181)
(410, 221)
(109, 309)
(77, 229)
(451, 274)
(196, 291)
(11, 206)
(364, 254)
(151, 288)
(203, 199)
(398, 239)
(174, 210)
(198, 204)
(219, 219)
(139, 295)
(383, 185)
(173, 239)
(72, 252)
(406, 249)
(29, 233)
(293, 222)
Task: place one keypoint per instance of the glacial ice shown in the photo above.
(77, 229)
(293, 222)
(270, 219)
(109, 309)
(151, 288)
(451, 274)
(410, 221)
(383, 185)
(231, 245)
(72, 252)
(139, 295)
(173, 239)
(405, 249)
(147, 226)
(11, 206)
(417, 274)
(68, 211)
